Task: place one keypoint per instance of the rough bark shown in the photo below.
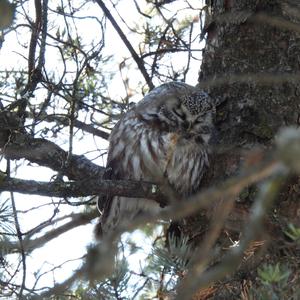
(254, 111)
(251, 62)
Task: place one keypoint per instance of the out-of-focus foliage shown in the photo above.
(275, 283)
(293, 232)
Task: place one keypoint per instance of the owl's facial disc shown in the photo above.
(191, 125)
(187, 117)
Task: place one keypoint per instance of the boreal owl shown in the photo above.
(164, 138)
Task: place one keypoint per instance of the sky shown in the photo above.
(72, 245)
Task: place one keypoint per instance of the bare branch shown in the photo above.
(123, 37)
(48, 154)
(169, 50)
(36, 28)
(20, 243)
(83, 188)
(44, 25)
(78, 124)
(30, 245)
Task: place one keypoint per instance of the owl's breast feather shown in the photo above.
(171, 147)
(186, 162)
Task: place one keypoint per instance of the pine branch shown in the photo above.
(198, 278)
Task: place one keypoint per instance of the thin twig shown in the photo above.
(19, 235)
(78, 124)
(44, 21)
(123, 37)
(32, 244)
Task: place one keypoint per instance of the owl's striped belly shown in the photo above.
(169, 157)
(186, 168)
(146, 158)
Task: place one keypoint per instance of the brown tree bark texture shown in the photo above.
(252, 62)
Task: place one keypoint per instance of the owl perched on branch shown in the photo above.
(164, 138)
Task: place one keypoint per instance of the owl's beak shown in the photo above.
(187, 126)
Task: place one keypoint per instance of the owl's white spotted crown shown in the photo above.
(197, 102)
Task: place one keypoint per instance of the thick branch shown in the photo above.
(83, 188)
(48, 154)
(288, 140)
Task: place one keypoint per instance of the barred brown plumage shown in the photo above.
(164, 137)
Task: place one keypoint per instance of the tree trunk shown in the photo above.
(251, 62)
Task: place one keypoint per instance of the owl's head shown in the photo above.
(190, 114)
(179, 107)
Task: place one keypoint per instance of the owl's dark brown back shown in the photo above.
(163, 138)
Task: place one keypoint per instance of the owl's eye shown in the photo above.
(205, 129)
(200, 119)
(179, 113)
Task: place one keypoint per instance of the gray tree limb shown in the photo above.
(83, 188)
(48, 154)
